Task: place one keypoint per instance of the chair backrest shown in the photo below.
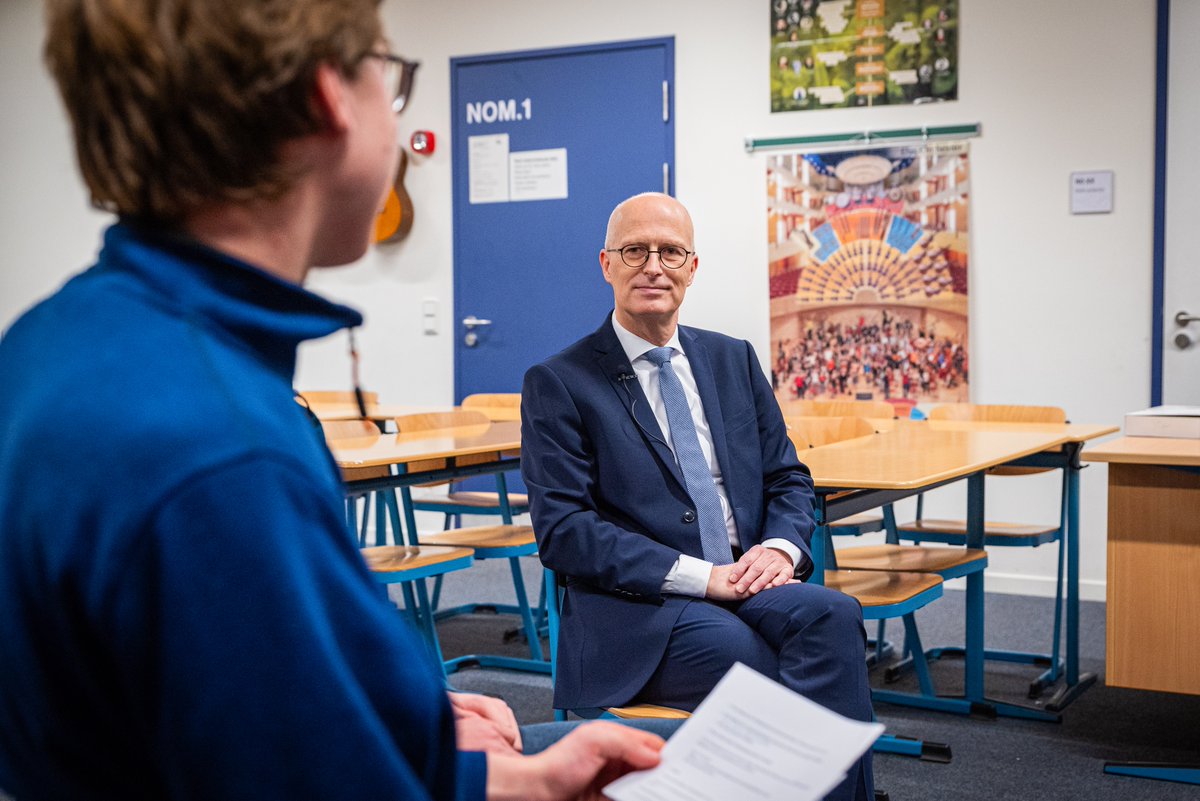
(338, 396)
(433, 421)
(498, 406)
(817, 431)
(838, 408)
(347, 429)
(998, 413)
(353, 429)
(1001, 413)
(509, 399)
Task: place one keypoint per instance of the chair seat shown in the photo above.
(886, 594)
(860, 519)
(647, 712)
(401, 558)
(946, 562)
(857, 525)
(991, 530)
(483, 537)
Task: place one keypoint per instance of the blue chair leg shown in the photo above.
(427, 626)
(531, 633)
(912, 644)
(437, 593)
(550, 583)
(1162, 771)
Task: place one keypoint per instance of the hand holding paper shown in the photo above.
(752, 740)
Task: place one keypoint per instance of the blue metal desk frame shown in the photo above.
(404, 478)
(974, 700)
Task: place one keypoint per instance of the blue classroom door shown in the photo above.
(545, 143)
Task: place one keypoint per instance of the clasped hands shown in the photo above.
(759, 569)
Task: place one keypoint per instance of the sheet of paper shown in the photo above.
(752, 740)
(487, 168)
(537, 174)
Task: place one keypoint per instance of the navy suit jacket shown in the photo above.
(610, 507)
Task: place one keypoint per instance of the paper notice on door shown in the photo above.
(754, 740)
(487, 168)
(538, 174)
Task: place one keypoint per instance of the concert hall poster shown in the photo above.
(868, 258)
(849, 53)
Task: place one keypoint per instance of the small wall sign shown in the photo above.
(1092, 192)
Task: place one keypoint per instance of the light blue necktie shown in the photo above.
(714, 537)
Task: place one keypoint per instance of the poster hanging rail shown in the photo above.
(841, 141)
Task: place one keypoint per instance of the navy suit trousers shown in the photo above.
(805, 636)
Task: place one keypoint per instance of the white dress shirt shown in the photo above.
(689, 575)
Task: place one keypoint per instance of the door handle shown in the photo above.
(471, 339)
(1183, 318)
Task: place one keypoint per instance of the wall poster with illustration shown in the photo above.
(868, 258)
(849, 53)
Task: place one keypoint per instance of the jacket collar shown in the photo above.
(615, 366)
(265, 314)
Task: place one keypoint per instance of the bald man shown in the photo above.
(665, 492)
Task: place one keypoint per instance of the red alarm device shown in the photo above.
(423, 142)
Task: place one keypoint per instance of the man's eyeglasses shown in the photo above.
(670, 256)
(398, 75)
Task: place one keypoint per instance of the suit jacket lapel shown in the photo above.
(613, 363)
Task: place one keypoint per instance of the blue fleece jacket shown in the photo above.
(183, 614)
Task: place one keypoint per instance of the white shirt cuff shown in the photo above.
(689, 576)
(780, 544)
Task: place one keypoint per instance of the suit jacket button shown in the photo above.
(688, 517)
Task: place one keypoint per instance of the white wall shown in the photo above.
(1060, 305)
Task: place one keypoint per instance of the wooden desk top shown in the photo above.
(909, 456)
(913, 456)
(1073, 432)
(1146, 450)
(388, 449)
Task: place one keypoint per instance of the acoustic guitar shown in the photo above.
(396, 219)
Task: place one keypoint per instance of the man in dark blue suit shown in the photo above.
(664, 490)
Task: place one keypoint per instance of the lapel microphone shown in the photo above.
(624, 378)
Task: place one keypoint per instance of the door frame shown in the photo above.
(1162, 69)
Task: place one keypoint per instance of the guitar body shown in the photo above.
(395, 220)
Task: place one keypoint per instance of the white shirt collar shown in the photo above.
(634, 346)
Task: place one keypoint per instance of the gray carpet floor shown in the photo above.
(992, 759)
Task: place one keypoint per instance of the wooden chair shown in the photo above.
(1002, 534)
(504, 541)
(818, 431)
(838, 408)
(864, 522)
(455, 503)
(404, 563)
(886, 595)
(946, 563)
(499, 406)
